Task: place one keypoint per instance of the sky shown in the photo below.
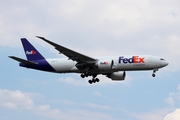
(93, 28)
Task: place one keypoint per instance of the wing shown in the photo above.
(73, 55)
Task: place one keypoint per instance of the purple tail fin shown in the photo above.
(30, 51)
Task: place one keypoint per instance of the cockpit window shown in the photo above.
(161, 59)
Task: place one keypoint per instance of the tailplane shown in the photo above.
(30, 51)
(26, 62)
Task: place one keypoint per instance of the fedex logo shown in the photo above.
(32, 52)
(104, 63)
(134, 59)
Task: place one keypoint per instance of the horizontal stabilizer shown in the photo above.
(23, 61)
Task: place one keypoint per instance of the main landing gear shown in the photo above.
(154, 71)
(94, 79)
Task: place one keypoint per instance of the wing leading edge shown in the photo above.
(73, 55)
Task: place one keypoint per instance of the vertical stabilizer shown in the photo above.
(30, 51)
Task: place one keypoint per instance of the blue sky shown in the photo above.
(94, 28)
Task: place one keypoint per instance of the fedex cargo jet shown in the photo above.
(113, 67)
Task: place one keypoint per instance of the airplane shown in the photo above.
(113, 67)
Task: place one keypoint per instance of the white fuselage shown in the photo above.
(120, 63)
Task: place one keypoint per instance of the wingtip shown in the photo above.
(10, 56)
(41, 37)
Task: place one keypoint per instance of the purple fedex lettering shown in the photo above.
(134, 59)
(126, 60)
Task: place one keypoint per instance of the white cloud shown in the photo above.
(70, 80)
(154, 115)
(173, 97)
(98, 94)
(149, 116)
(34, 95)
(15, 100)
(170, 101)
(178, 88)
(47, 111)
(18, 100)
(173, 116)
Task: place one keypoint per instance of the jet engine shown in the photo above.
(105, 64)
(117, 75)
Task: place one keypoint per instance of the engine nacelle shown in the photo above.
(117, 75)
(105, 64)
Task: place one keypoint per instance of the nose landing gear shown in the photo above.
(154, 71)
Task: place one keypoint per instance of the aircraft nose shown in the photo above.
(165, 63)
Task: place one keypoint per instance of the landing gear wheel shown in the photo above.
(97, 80)
(82, 75)
(153, 75)
(90, 81)
(93, 80)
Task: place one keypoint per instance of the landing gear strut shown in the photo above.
(94, 79)
(154, 71)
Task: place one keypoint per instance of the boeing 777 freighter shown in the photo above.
(114, 67)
